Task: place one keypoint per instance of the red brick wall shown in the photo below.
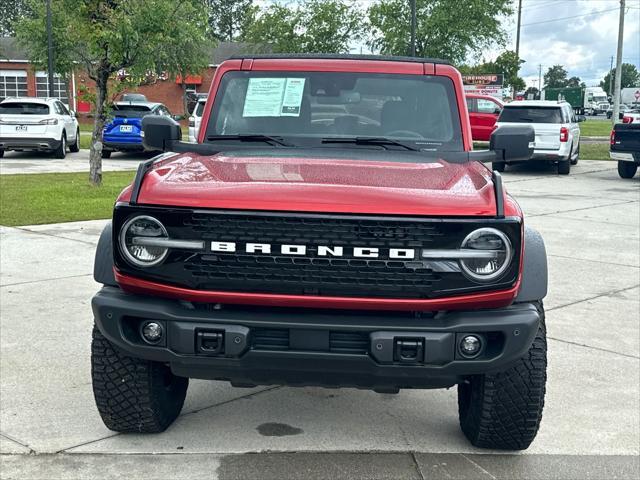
(167, 92)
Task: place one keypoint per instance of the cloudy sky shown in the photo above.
(579, 34)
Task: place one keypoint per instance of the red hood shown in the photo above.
(310, 184)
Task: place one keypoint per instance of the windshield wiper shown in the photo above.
(250, 137)
(380, 141)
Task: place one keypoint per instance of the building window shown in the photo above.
(60, 87)
(13, 83)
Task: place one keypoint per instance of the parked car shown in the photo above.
(123, 133)
(133, 97)
(362, 250)
(625, 148)
(195, 119)
(556, 127)
(623, 109)
(631, 116)
(38, 124)
(483, 114)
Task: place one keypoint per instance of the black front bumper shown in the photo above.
(17, 143)
(380, 351)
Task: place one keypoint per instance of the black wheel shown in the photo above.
(564, 167)
(503, 410)
(627, 169)
(499, 166)
(106, 153)
(75, 146)
(1, 153)
(61, 151)
(134, 395)
(576, 156)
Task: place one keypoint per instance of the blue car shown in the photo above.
(124, 132)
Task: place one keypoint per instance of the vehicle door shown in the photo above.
(487, 112)
(473, 118)
(68, 120)
(574, 127)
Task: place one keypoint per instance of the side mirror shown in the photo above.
(160, 132)
(512, 143)
(176, 117)
(581, 118)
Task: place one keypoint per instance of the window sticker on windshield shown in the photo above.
(273, 97)
(292, 99)
(264, 97)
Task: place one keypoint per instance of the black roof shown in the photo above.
(339, 56)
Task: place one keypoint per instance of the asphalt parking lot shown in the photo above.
(49, 427)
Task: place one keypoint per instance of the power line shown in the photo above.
(567, 18)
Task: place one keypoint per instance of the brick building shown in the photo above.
(18, 77)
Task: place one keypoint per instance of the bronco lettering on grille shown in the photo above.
(319, 250)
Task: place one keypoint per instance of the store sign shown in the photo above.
(485, 84)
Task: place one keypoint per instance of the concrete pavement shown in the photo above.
(29, 162)
(49, 427)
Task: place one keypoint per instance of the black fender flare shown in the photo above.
(534, 268)
(103, 263)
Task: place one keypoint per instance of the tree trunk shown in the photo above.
(185, 106)
(95, 151)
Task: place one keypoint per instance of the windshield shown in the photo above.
(530, 115)
(307, 108)
(130, 111)
(23, 108)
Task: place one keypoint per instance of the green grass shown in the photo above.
(594, 151)
(595, 128)
(58, 197)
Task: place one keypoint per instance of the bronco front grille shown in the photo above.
(312, 274)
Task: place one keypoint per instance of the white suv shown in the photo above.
(556, 129)
(195, 119)
(41, 124)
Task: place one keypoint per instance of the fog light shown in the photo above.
(152, 332)
(470, 345)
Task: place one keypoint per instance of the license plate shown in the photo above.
(126, 128)
(21, 128)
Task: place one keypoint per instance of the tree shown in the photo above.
(11, 12)
(228, 20)
(575, 82)
(445, 29)
(315, 26)
(630, 77)
(556, 77)
(108, 36)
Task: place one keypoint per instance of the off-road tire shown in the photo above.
(564, 167)
(134, 395)
(627, 169)
(503, 410)
(576, 158)
(106, 153)
(499, 166)
(61, 151)
(75, 147)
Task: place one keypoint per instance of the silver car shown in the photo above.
(195, 119)
(556, 129)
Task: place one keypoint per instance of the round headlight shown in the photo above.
(140, 241)
(494, 254)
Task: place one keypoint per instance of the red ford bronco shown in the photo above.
(331, 227)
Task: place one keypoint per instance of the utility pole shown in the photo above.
(49, 49)
(413, 28)
(539, 81)
(618, 80)
(611, 78)
(518, 43)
